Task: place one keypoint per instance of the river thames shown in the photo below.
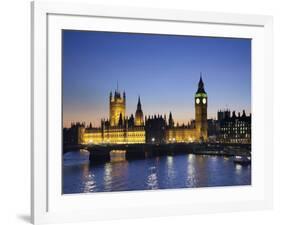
(165, 172)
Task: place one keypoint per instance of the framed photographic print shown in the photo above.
(148, 112)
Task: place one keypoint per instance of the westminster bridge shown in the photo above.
(103, 153)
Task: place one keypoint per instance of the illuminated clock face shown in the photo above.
(197, 100)
(204, 100)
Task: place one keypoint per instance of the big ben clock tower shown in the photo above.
(201, 103)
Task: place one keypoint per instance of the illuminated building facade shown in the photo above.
(117, 108)
(235, 128)
(192, 132)
(120, 129)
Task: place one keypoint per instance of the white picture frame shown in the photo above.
(47, 202)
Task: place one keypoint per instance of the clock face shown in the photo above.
(197, 100)
(204, 100)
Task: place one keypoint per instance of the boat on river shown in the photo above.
(243, 160)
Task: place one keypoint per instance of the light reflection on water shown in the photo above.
(107, 178)
(191, 176)
(171, 172)
(178, 171)
(88, 179)
(152, 181)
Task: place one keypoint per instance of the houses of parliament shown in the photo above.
(122, 129)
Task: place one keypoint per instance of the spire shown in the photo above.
(200, 85)
(124, 96)
(139, 114)
(170, 116)
(139, 104)
(117, 94)
(171, 121)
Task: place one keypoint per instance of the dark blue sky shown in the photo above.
(163, 69)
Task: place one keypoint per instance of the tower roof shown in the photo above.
(139, 104)
(117, 93)
(139, 114)
(201, 86)
(170, 116)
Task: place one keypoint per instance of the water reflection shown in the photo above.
(171, 171)
(88, 179)
(179, 171)
(152, 181)
(190, 157)
(238, 168)
(191, 176)
(107, 176)
(115, 175)
(170, 167)
(117, 155)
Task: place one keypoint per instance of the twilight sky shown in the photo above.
(163, 69)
